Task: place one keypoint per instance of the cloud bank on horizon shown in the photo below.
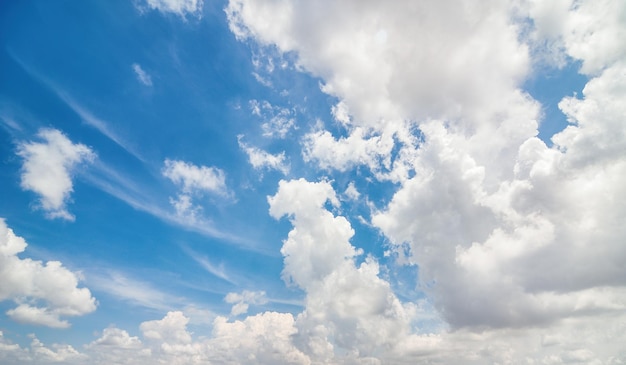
(422, 218)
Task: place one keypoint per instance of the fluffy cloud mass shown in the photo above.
(347, 303)
(507, 232)
(48, 167)
(192, 178)
(43, 292)
(516, 244)
(193, 181)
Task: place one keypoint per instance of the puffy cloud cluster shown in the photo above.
(508, 233)
(193, 178)
(241, 301)
(518, 245)
(347, 304)
(48, 168)
(260, 159)
(43, 292)
(589, 31)
(264, 338)
(192, 181)
(393, 60)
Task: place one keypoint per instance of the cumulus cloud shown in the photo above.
(518, 246)
(446, 52)
(191, 178)
(178, 7)
(142, 75)
(507, 233)
(351, 192)
(264, 338)
(43, 292)
(193, 181)
(241, 301)
(48, 168)
(571, 28)
(260, 159)
(505, 243)
(347, 304)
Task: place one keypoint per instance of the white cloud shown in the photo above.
(48, 168)
(142, 75)
(277, 121)
(347, 305)
(214, 269)
(241, 301)
(116, 338)
(178, 7)
(514, 240)
(359, 148)
(260, 159)
(99, 124)
(135, 292)
(86, 115)
(31, 283)
(170, 329)
(351, 192)
(121, 187)
(573, 28)
(56, 353)
(264, 338)
(394, 60)
(195, 179)
(519, 246)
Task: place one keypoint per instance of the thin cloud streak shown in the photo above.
(86, 116)
(215, 270)
(122, 188)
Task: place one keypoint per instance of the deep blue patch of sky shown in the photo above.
(549, 86)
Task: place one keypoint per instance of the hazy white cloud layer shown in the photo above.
(518, 247)
(43, 292)
(48, 168)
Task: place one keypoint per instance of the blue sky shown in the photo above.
(332, 182)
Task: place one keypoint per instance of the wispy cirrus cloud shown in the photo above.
(134, 291)
(86, 115)
(129, 191)
(218, 270)
(142, 75)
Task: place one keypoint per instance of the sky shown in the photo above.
(321, 182)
